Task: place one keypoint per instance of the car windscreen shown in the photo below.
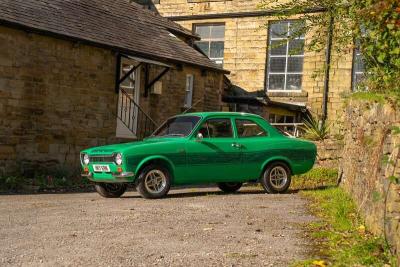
(177, 126)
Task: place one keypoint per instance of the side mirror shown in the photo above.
(199, 137)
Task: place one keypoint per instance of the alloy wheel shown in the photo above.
(155, 181)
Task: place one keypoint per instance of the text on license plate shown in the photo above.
(101, 168)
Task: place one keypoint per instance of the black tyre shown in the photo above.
(110, 190)
(229, 187)
(154, 181)
(276, 178)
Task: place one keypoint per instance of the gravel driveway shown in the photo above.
(192, 227)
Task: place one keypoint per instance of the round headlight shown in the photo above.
(118, 158)
(86, 159)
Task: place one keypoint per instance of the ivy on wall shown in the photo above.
(374, 25)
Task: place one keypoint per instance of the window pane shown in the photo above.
(247, 128)
(295, 64)
(296, 47)
(178, 126)
(277, 64)
(203, 31)
(218, 31)
(358, 64)
(296, 28)
(217, 50)
(294, 82)
(219, 128)
(278, 48)
(271, 118)
(357, 80)
(358, 69)
(204, 47)
(276, 82)
(280, 119)
(289, 119)
(279, 29)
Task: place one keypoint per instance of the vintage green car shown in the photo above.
(225, 148)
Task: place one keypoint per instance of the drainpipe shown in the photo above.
(327, 70)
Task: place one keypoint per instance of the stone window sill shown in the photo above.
(205, 1)
(287, 94)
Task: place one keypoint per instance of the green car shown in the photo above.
(225, 148)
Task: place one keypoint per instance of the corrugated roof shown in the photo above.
(118, 25)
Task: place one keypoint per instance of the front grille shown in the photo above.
(100, 158)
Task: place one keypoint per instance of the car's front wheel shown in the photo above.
(276, 178)
(229, 187)
(110, 190)
(154, 181)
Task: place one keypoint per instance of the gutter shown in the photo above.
(260, 13)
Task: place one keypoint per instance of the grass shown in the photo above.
(316, 178)
(368, 96)
(339, 235)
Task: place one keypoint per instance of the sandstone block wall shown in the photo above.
(58, 98)
(365, 172)
(329, 153)
(245, 54)
(207, 88)
(55, 100)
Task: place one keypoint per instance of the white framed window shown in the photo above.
(358, 69)
(285, 56)
(212, 41)
(189, 91)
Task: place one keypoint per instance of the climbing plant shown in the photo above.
(374, 25)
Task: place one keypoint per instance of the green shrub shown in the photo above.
(315, 130)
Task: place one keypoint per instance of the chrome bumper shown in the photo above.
(123, 175)
(120, 177)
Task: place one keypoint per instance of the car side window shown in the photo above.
(216, 128)
(248, 128)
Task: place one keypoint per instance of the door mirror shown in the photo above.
(199, 137)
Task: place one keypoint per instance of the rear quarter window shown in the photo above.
(249, 128)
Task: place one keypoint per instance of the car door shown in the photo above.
(216, 157)
(254, 143)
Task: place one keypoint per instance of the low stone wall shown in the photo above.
(370, 157)
(329, 153)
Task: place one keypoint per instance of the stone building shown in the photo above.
(243, 39)
(75, 74)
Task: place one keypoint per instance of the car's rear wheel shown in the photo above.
(230, 187)
(276, 178)
(154, 181)
(110, 190)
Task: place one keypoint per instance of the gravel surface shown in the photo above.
(192, 227)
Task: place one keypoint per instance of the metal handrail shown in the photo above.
(134, 117)
(124, 92)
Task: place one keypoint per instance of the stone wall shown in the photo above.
(245, 54)
(365, 173)
(207, 89)
(58, 98)
(329, 153)
(55, 100)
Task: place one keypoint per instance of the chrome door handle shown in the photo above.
(236, 145)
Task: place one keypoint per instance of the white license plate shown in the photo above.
(101, 168)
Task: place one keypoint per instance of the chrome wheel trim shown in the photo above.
(155, 181)
(278, 177)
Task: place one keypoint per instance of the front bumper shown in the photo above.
(123, 177)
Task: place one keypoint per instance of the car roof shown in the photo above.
(220, 113)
